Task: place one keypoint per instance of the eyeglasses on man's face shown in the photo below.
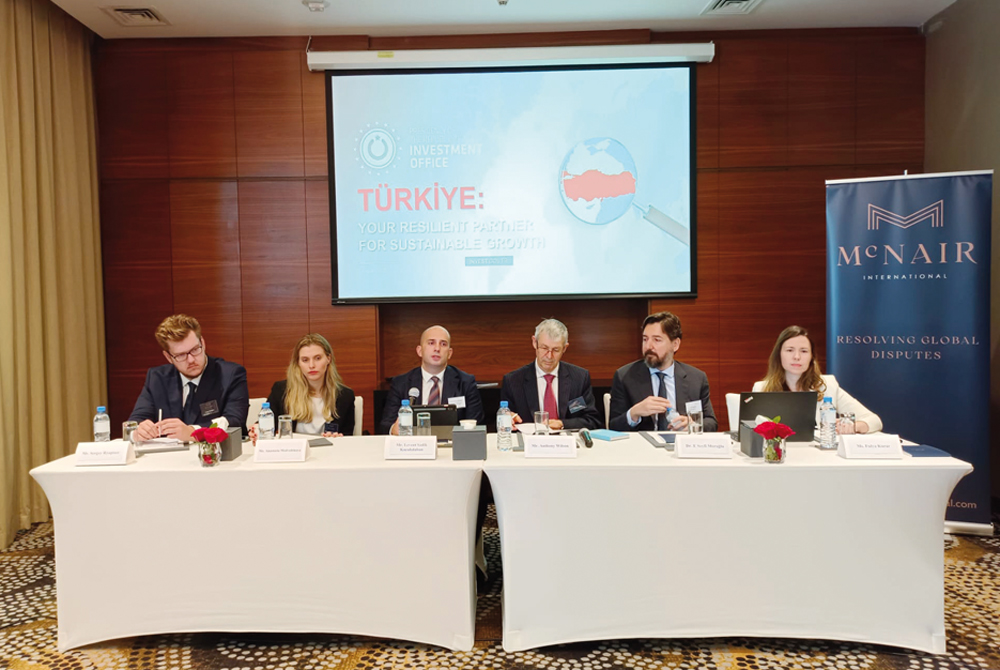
(193, 353)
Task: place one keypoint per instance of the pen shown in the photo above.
(159, 418)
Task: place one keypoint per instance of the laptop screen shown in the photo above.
(797, 410)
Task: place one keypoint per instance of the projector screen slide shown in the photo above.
(474, 184)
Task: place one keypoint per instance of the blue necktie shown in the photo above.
(663, 425)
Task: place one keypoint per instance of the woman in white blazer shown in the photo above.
(793, 368)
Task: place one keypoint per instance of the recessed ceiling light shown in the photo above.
(315, 5)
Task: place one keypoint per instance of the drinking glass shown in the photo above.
(696, 422)
(423, 424)
(285, 426)
(541, 422)
(128, 431)
(845, 423)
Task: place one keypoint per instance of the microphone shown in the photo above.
(414, 394)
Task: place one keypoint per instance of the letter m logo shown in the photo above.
(933, 212)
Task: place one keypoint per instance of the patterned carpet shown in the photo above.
(28, 632)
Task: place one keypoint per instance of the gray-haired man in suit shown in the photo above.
(643, 391)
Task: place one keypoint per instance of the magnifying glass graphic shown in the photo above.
(597, 182)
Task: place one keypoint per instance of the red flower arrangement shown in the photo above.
(773, 433)
(771, 430)
(211, 435)
(209, 451)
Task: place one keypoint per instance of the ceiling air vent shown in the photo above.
(135, 17)
(730, 7)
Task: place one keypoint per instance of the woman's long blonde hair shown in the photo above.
(297, 401)
(811, 379)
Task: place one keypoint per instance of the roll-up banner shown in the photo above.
(908, 314)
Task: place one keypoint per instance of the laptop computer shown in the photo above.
(797, 410)
(444, 418)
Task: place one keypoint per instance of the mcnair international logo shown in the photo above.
(933, 213)
(923, 254)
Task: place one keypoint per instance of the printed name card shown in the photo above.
(550, 446)
(116, 452)
(705, 445)
(692, 406)
(869, 446)
(281, 451)
(416, 447)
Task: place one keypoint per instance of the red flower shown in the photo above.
(207, 458)
(771, 430)
(211, 435)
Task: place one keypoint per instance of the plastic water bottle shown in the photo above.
(672, 416)
(266, 422)
(405, 419)
(102, 425)
(827, 425)
(504, 427)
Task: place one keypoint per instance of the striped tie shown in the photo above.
(435, 396)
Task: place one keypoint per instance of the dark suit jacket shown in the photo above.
(223, 382)
(345, 406)
(632, 383)
(456, 383)
(520, 390)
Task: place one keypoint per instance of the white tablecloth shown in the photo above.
(344, 543)
(629, 541)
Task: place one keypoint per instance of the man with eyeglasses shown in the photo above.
(561, 389)
(193, 390)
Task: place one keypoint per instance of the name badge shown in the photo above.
(416, 447)
(116, 452)
(706, 445)
(693, 406)
(458, 401)
(549, 446)
(281, 451)
(869, 446)
(209, 408)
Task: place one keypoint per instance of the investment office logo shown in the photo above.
(377, 147)
(933, 213)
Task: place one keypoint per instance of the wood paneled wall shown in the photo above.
(214, 202)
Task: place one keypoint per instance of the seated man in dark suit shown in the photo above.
(561, 389)
(433, 383)
(643, 391)
(193, 390)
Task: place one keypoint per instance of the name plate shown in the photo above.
(869, 446)
(416, 447)
(706, 445)
(281, 451)
(550, 446)
(116, 452)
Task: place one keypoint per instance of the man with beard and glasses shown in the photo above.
(643, 391)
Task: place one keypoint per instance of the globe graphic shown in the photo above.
(597, 180)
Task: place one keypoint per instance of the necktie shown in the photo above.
(662, 424)
(189, 414)
(435, 395)
(551, 406)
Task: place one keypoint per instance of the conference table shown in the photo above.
(629, 541)
(345, 542)
(624, 541)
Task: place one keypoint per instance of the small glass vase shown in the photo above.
(209, 454)
(774, 451)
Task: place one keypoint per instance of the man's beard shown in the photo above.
(652, 360)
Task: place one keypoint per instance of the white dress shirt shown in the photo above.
(671, 390)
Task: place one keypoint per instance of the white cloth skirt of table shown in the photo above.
(344, 543)
(629, 541)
